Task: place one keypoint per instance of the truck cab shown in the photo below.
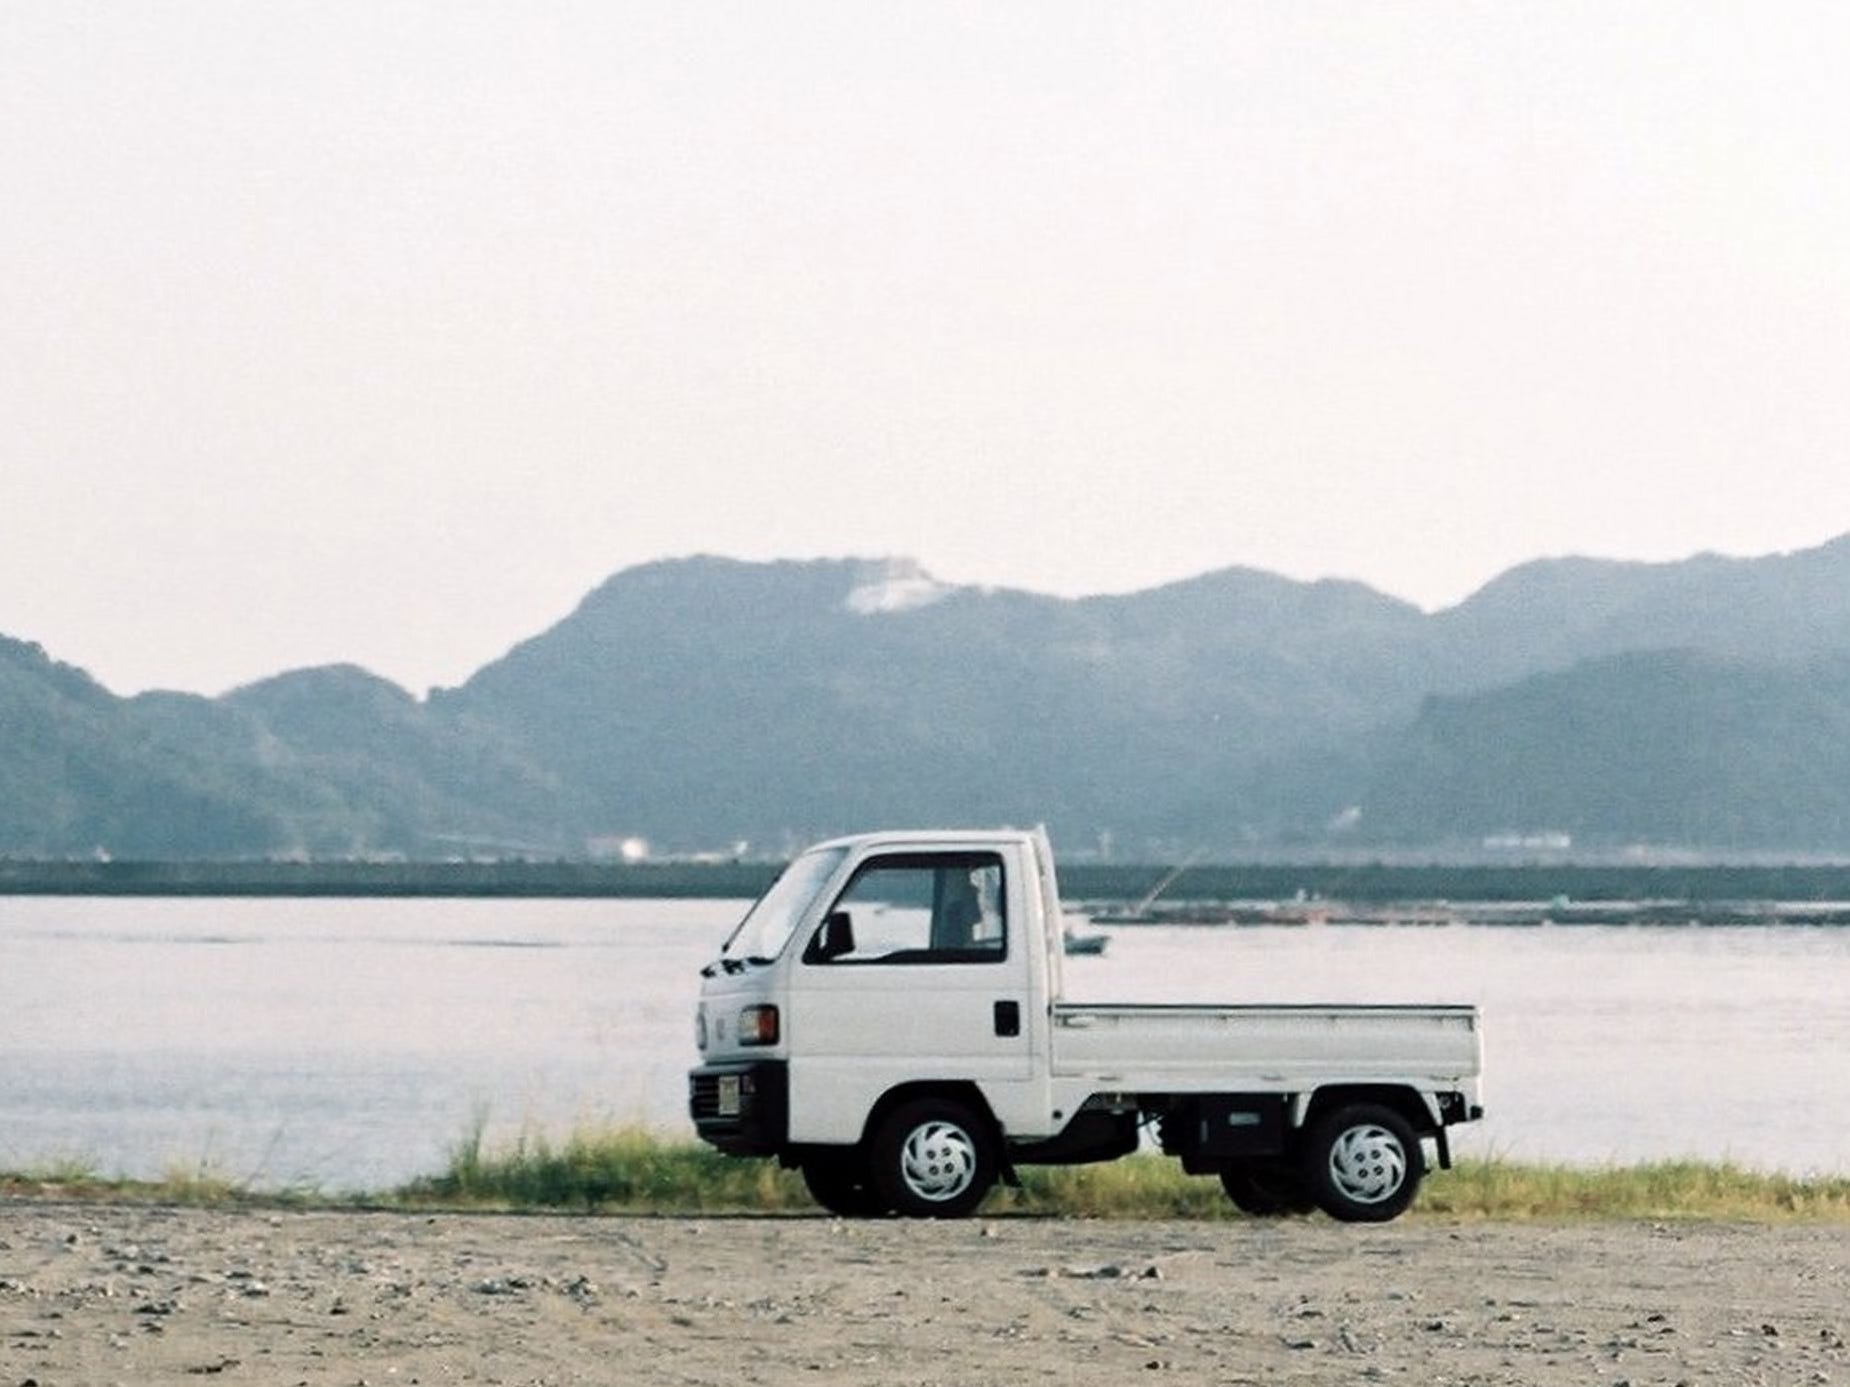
(888, 1019)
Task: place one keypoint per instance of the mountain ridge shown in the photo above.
(705, 700)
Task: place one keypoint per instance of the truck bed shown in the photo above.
(1178, 1048)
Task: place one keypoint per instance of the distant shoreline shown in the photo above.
(664, 880)
(1665, 890)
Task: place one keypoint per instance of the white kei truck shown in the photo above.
(888, 1019)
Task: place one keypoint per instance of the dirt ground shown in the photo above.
(93, 1295)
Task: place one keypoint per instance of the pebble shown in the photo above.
(1110, 1271)
(503, 1285)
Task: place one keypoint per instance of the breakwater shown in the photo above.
(1693, 886)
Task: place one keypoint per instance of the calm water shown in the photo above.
(351, 1043)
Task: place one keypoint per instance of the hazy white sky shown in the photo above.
(382, 332)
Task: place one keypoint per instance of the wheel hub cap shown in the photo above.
(938, 1161)
(1368, 1164)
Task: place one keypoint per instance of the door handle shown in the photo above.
(1008, 1018)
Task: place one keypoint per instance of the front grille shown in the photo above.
(758, 1127)
(703, 1095)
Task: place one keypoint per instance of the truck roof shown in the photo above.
(928, 837)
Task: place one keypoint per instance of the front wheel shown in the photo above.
(839, 1180)
(1363, 1163)
(933, 1158)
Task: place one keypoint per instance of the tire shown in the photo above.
(838, 1179)
(933, 1158)
(1362, 1163)
(1265, 1188)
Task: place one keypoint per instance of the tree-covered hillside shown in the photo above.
(697, 703)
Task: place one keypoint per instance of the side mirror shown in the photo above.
(836, 938)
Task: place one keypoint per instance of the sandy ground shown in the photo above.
(100, 1295)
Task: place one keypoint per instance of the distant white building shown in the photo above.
(1548, 841)
(624, 849)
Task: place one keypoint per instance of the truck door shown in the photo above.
(919, 970)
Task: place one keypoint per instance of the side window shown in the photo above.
(917, 908)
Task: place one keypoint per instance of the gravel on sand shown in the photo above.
(98, 1294)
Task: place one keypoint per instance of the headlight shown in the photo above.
(758, 1026)
(700, 1028)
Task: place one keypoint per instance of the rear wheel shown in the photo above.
(1363, 1163)
(839, 1180)
(933, 1158)
(1266, 1188)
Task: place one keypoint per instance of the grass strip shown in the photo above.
(194, 1188)
(637, 1170)
(630, 1169)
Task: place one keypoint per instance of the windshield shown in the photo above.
(768, 925)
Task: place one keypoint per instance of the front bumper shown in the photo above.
(743, 1109)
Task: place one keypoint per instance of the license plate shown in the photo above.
(729, 1095)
